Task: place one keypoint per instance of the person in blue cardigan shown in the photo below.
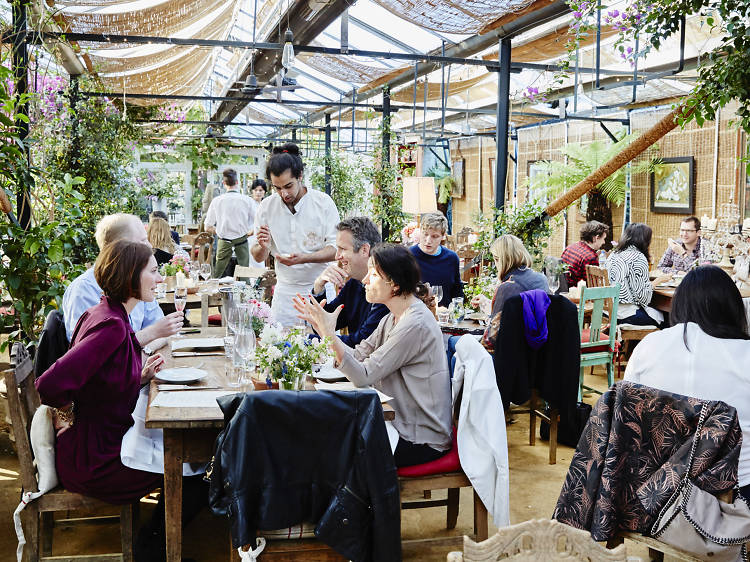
(438, 265)
(354, 239)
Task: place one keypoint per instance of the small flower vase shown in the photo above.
(287, 384)
(171, 282)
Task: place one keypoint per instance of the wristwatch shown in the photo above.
(147, 350)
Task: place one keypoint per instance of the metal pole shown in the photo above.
(501, 134)
(20, 78)
(328, 153)
(386, 157)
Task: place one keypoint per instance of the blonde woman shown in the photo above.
(161, 240)
(514, 272)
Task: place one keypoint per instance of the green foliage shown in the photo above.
(525, 221)
(387, 194)
(39, 262)
(348, 181)
(96, 142)
(583, 160)
(443, 181)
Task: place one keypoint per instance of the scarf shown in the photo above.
(535, 305)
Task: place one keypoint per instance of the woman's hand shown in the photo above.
(313, 312)
(152, 366)
(481, 302)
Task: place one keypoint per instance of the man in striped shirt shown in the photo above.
(583, 253)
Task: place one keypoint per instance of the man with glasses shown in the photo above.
(682, 254)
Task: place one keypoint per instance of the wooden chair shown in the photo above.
(536, 409)
(202, 249)
(452, 480)
(23, 400)
(598, 277)
(594, 350)
(541, 539)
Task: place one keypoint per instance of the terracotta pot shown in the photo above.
(263, 385)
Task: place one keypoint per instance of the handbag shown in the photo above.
(698, 522)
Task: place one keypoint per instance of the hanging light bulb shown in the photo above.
(287, 57)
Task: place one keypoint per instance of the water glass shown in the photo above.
(161, 290)
(444, 316)
(229, 346)
(234, 375)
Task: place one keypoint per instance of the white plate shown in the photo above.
(329, 374)
(181, 375)
(197, 344)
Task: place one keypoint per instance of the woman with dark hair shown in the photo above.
(706, 352)
(95, 385)
(404, 357)
(628, 267)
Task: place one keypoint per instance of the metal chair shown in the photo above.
(595, 351)
(23, 400)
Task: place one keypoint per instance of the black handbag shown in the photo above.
(568, 430)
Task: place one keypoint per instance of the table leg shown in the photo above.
(173, 449)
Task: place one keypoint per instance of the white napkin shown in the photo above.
(190, 399)
(197, 343)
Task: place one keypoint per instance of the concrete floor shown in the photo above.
(534, 488)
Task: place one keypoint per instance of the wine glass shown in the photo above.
(437, 292)
(180, 300)
(553, 280)
(244, 349)
(205, 271)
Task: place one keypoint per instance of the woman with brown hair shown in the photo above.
(95, 385)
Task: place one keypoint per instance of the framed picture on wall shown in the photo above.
(537, 174)
(457, 171)
(673, 186)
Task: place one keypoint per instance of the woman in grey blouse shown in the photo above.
(404, 357)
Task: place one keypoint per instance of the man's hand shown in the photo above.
(264, 237)
(332, 274)
(290, 259)
(152, 366)
(482, 303)
(676, 247)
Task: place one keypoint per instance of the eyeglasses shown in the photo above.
(688, 230)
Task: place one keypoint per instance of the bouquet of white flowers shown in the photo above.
(287, 359)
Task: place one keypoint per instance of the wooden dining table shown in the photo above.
(662, 297)
(190, 432)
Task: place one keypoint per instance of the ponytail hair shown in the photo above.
(283, 158)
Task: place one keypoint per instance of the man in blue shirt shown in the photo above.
(354, 239)
(147, 319)
(438, 265)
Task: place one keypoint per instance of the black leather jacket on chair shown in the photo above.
(288, 457)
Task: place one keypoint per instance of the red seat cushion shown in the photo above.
(449, 462)
(586, 336)
(214, 320)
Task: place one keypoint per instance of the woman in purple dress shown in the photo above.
(95, 385)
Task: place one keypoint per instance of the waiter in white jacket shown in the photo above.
(297, 226)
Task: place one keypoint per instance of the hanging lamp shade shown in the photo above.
(419, 195)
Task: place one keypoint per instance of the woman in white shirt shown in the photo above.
(706, 352)
(628, 266)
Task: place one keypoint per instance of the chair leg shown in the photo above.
(32, 534)
(580, 385)
(610, 374)
(532, 418)
(553, 419)
(128, 520)
(453, 496)
(47, 528)
(481, 526)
